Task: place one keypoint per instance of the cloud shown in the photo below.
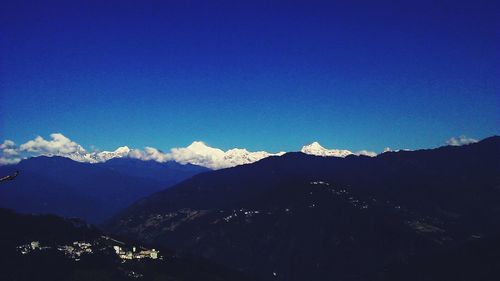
(461, 140)
(366, 153)
(197, 153)
(58, 145)
(7, 144)
(8, 161)
(149, 153)
(9, 153)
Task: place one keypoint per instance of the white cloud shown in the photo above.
(197, 153)
(366, 153)
(149, 153)
(8, 161)
(9, 153)
(7, 144)
(58, 145)
(461, 140)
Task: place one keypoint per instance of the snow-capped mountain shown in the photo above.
(238, 156)
(316, 149)
(81, 155)
(104, 156)
(198, 153)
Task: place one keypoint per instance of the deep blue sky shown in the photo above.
(266, 75)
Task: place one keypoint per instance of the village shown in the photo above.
(77, 249)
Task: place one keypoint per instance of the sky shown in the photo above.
(261, 75)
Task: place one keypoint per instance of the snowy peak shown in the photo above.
(198, 153)
(104, 156)
(312, 148)
(81, 155)
(238, 156)
(199, 147)
(122, 150)
(315, 145)
(316, 149)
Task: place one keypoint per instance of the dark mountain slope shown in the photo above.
(166, 174)
(44, 247)
(301, 217)
(89, 191)
(478, 259)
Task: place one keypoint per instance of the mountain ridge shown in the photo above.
(250, 217)
(93, 192)
(47, 247)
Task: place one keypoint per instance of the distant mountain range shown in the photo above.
(197, 153)
(304, 217)
(317, 149)
(93, 192)
(405, 215)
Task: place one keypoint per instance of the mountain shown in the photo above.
(81, 155)
(316, 149)
(303, 217)
(60, 145)
(104, 156)
(477, 259)
(165, 173)
(46, 247)
(199, 153)
(93, 192)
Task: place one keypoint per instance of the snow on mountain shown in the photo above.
(81, 155)
(198, 153)
(104, 156)
(238, 156)
(366, 153)
(316, 149)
